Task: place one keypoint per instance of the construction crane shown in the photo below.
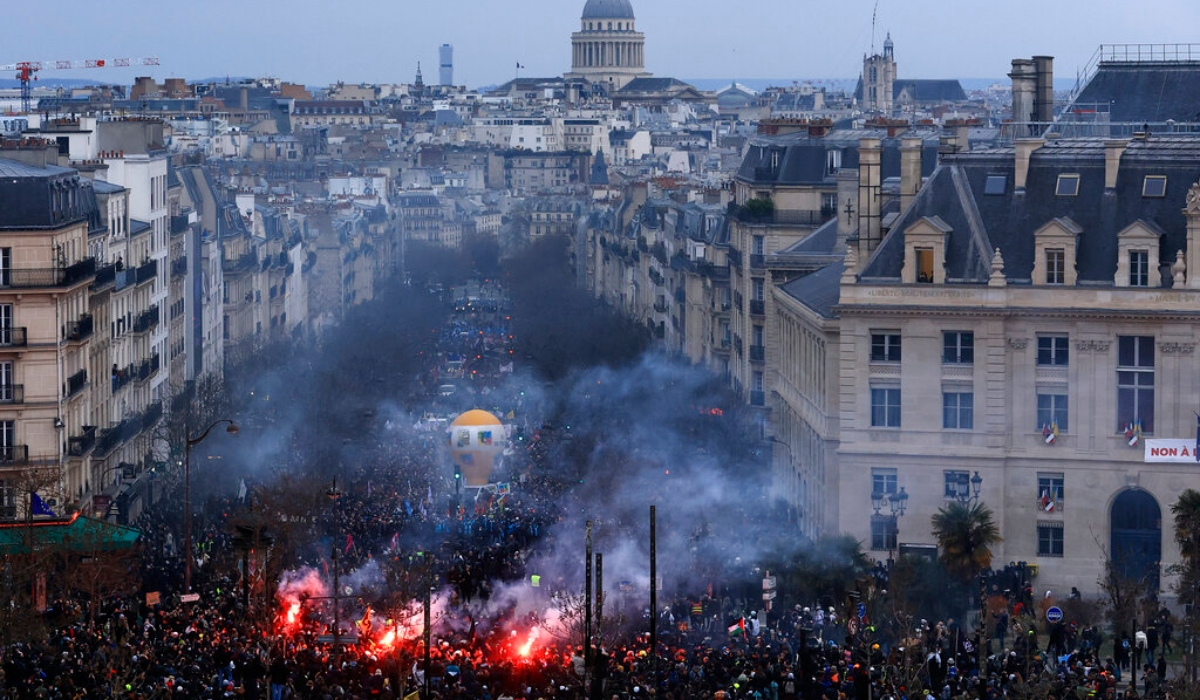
(26, 70)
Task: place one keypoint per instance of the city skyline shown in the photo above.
(318, 44)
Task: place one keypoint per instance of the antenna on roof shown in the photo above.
(874, 13)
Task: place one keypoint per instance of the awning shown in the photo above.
(77, 533)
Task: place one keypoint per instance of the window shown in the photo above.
(1052, 350)
(829, 202)
(758, 245)
(1056, 266)
(995, 185)
(833, 162)
(958, 410)
(1050, 539)
(758, 289)
(885, 347)
(1052, 411)
(883, 480)
(8, 440)
(1067, 186)
(1139, 268)
(1050, 485)
(958, 347)
(924, 265)
(957, 484)
(883, 533)
(1154, 186)
(885, 408)
(1135, 382)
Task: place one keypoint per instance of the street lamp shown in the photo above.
(188, 444)
(334, 494)
(897, 504)
(967, 490)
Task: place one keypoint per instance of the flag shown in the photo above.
(519, 66)
(395, 544)
(1047, 502)
(349, 544)
(242, 491)
(1133, 434)
(1197, 450)
(738, 627)
(38, 506)
(1049, 435)
(511, 415)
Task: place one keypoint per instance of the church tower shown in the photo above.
(608, 50)
(879, 80)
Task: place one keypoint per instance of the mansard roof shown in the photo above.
(982, 219)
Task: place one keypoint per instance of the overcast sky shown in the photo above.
(317, 42)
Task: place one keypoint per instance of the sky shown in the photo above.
(318, 42)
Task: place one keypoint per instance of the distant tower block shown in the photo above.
(446, 73)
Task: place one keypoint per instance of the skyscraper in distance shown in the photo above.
(446, 71)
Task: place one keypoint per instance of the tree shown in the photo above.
(965, 536)
(1187, 533)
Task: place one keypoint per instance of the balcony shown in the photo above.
(179, 266)
(147, 271)
(14, 454)
(146, 320)
(79, 445)
(660, 307)
(245, 263)
(150, 416)
(758, 353)
(105, 276)
(75, 383)
(735, 257)
(122, 377)
(758, 398)
(124, 278)
(77, 331)
(757, 261)
(777, 217)
(12, 394)
(13, 337)
(34, 277)
(758, 307)
(147, 369)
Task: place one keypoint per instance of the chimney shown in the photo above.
(1024, 149)
(244, 99)
(847, 196)
(870, 151)
(1024, 85)
(1113, 150)
(817, 128)
(1043, 101)
(910, 170)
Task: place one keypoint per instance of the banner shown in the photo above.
(1170, 450)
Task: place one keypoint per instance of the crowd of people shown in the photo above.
(235, 640)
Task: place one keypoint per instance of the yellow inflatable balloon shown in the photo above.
(477, 442)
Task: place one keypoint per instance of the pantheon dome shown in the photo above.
(608, 50)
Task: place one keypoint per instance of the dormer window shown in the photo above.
(1055, 245)
(1138, 255)
(1068, 186)
(833, 162)
(1154, 186)
(1056, 266)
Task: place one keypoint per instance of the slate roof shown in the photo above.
(1141, 92)
(922, 90)
(29, 197)
(819, 291)
(803, 159)
(981, 222)
(642, 85)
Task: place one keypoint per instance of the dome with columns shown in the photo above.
(608, 50)
(608, 9)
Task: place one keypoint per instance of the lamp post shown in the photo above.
(967, 494)
(334, 493)
(188, 444)
(897, 504)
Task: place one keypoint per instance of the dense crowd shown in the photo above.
(712, 645)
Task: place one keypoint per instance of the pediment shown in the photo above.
(928, 226)
(1141, 230)
(1060, 227)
